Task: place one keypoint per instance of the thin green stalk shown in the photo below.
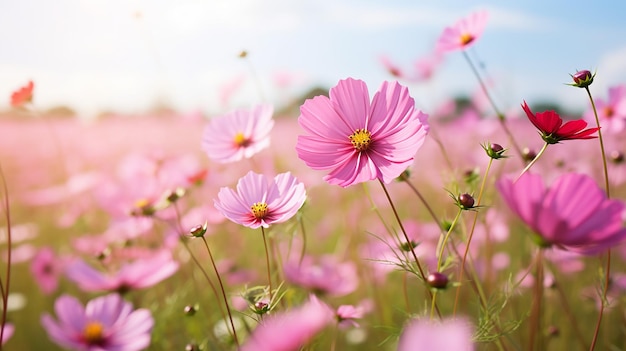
(267, 262)
(5, 290)
(471, 235)
(608, 195)
(219, 279)
(408, 241)
(501, 117)
(445, 239)
(543, 149)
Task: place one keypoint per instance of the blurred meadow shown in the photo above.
(125, 194)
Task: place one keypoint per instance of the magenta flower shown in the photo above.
(463, 33)
(324, 275)
(289, 331)
(356, 140)
(259, 201)
(612, 112)
(446, 335)
(239, 134)
(46, 268)
(552, 128)
(9, 329)
(573, 214)
(137, 275)
(107, 323)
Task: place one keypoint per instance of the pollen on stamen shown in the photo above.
(93, 333)
(259, 210)
(466, 38)
(241, 140)
(361, 139)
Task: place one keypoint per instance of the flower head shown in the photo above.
(553, 130)
(582, 79)
(325, 275)
(136, 275)
(463, 33)
(23, 95)
(356, 140)
(46, 268)
(260, 201)
(446, 335)
(289, 331)
(239, 134)
(573, 214)
(107, 323)
(612, 111)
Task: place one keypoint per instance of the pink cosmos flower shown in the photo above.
(356, 140)
(9, 329)
(289, 331)
(324, 275)
(463, 33)
(46, 268)
(612, 112)
(573, 214)
(23, 95)
(107, 323)
(446, 335)
(137, 275)
(260, 201)
(239, 134)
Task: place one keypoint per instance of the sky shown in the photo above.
(131, 55)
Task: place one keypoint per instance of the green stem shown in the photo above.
(543, 149)
(445, 239)
(501, 117)
(267, 262)
(608, 195)
(408, 241)
(469, 240)
(5, 290)
(219, 279)
(535, 326)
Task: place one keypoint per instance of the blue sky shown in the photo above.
(125, 55)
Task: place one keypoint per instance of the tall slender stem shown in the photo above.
(5, 290)
(535, 325)
(219, 279)
(445, 239)
(501, 117)
(267, 263)
(608, 195)
(543, 149)
(408, 241)
(471, 235)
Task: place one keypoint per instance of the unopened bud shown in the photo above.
(437, 280)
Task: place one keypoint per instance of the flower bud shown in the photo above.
(495, 151)
(617, 157)
(190, 310)
(528, 154)
(192, 347)
(466, 201)
(199, 230)
(582, 79)
(437, 280)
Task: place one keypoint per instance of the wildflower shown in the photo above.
(582, 79)
(260, 201)
(463, 33)
(324, 275)
(573, 214)
(611, 112)
(553, 130)
(46, 268)
(107, 323)
(356, 140)
(289, 331)
(239, 134)
(137, 275)
(23, 95)
(9, 329)
(446, 335)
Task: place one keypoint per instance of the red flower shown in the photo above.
(23, 95)
(553, 130)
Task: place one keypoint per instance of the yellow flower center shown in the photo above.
(466, 38)
(241, 140)
(259, 210)
(361, 139)
(93, 333)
